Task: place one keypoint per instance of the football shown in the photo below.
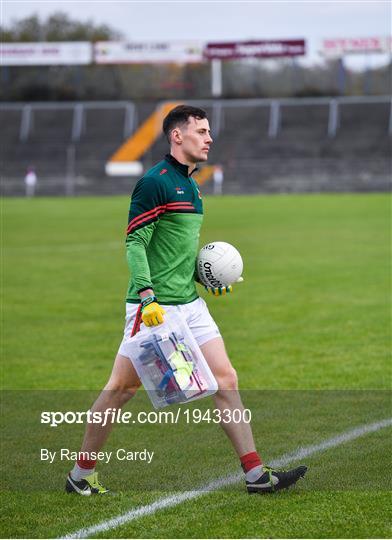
(219, 264)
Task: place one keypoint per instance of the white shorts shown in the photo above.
(200, 322)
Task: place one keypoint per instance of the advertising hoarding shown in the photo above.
(118, 52)
(273, 48)
(46, 53)
(340, 46)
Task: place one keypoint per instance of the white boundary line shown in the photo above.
(177, 499)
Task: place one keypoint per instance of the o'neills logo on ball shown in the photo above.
(210, 276)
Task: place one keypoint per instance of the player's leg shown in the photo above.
(120, 388)
(122, 385)
(228, 396)
(258, 477)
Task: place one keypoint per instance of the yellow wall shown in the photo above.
(138, 143)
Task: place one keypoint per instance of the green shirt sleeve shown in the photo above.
(148, 202)
(137, 243)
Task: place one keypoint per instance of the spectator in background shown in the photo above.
(218, 179)
(30, 182)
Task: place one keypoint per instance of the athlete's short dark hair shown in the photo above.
(180, 116)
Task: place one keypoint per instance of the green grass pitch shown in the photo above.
(308, 332)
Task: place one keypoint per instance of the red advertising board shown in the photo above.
(359, 45)
(272, 48)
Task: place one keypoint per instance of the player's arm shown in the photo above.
(147, 204)
(137, 242)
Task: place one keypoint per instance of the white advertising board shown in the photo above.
(340, 46)
(133, 52)
(45, 53)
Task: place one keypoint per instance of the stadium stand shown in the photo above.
(319, 144)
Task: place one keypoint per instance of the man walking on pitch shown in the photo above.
(165, 217)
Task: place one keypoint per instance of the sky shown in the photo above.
(217, 20)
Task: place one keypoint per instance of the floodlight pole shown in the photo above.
(216, 77)
(70, 171)
(341, 76)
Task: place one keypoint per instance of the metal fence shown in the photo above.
(78, 110)
(130, 122)
(75, 162)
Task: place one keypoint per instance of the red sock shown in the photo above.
(250, 461)
(86, 463)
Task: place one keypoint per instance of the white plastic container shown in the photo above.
(170, 363)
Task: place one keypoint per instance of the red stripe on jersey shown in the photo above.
(155, 212)
(157, 208)
(181, 207)
(168, 205)
(153, 216)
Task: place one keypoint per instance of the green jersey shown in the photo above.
(164, 222)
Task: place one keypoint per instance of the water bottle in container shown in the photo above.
(170, 363)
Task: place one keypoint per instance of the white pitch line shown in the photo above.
(175, 500)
